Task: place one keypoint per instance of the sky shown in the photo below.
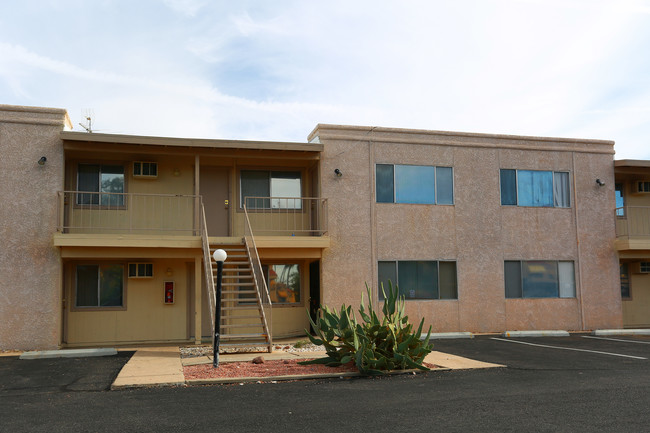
(272, 70)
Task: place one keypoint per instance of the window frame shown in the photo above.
(522, 288)
(264, 208)
(74, 287)
(99, 205)
(434, 186)
(516, 190)
(437, 287)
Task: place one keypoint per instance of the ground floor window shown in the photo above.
(539, 279)
(99, 285)
(420, 279)
(283, 282)
(625, 281)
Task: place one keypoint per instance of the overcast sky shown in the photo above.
(272, 70)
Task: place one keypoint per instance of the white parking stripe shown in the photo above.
(568, 348)
(616, 339)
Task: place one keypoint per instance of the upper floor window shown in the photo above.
(419, 184)
(263, 189)
(539, 279)
(104, 184)
(620, 200)
(535, 188)
(419, 279)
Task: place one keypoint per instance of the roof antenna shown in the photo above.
(89, 119)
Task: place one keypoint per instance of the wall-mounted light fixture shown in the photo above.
(169, 272)
(42, 160)
(338, 172)
(600, 182)
(177, 172)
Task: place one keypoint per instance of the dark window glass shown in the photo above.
(561, 190)
(99, 285)
(387, 275)
(625, 281)
(540, 279)
(88, 180)
(509, 187)
(384, 181)
(255, 183)
(513, 279)
(447, 280)
(444, 185)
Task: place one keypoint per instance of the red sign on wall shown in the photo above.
(169, 292)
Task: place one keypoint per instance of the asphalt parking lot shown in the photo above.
(577, 352)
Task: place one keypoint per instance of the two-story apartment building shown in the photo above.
(108, 237)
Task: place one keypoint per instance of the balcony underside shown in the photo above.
(633, 244)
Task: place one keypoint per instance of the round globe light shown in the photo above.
(219, 256)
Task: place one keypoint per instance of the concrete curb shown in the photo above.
(607, 332)
(547, 333)
(118, 387)
(68, 353)
(448, 335)
(229, 380)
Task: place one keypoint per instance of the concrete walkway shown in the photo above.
(163, 366)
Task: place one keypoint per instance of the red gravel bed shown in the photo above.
(285, 367)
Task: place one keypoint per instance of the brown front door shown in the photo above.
(214, 187)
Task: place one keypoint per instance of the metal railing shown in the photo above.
(207, 270)
(258, 276)
(288, 216)
(127, 213)
(633, 221)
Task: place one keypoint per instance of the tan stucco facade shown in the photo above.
(30, 264)
(476, 232)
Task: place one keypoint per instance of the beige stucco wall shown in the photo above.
(476, 231)
(30, 286)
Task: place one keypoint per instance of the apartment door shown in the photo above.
(214, 186)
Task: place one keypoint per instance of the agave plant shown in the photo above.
(375, 345)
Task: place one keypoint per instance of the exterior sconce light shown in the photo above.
(338, 172)
(219, 256)
(177, 172)
(600, 182)
(169, 272)
(42, 160)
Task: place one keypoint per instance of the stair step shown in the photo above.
(242, 336)
(255, 325)
(236, 284)
(240, 307)
(230, 277)
(238, 292)
(256, 316)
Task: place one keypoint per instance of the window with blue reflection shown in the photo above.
(620, 200)
(417, 184)
(535, 188)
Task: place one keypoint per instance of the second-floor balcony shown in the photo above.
(103, 213)
(633, 227)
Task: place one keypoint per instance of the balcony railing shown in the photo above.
(633, 221)
(127, 213)
(287, 216)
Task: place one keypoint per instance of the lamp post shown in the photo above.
(219, 256)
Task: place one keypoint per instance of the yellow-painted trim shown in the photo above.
(632, 244)
(292, 241)
(121, 240)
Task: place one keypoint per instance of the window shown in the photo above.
(283, 282)
(418, 184)
(625, 281)
(539, 279)
(140, 270)
(283, 187)
(620, 200)
(99, 285)
(145, 169)
(644, 267)
(535, 188)
(420, 279)
(104, 184)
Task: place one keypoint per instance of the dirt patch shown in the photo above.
(286, 367)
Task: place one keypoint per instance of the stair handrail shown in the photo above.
(207, 267)
(258, 276)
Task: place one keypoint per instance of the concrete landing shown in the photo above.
(152, 366)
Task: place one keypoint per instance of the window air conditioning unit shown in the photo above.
(640, 268)
(145, 170)
(642, 187)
